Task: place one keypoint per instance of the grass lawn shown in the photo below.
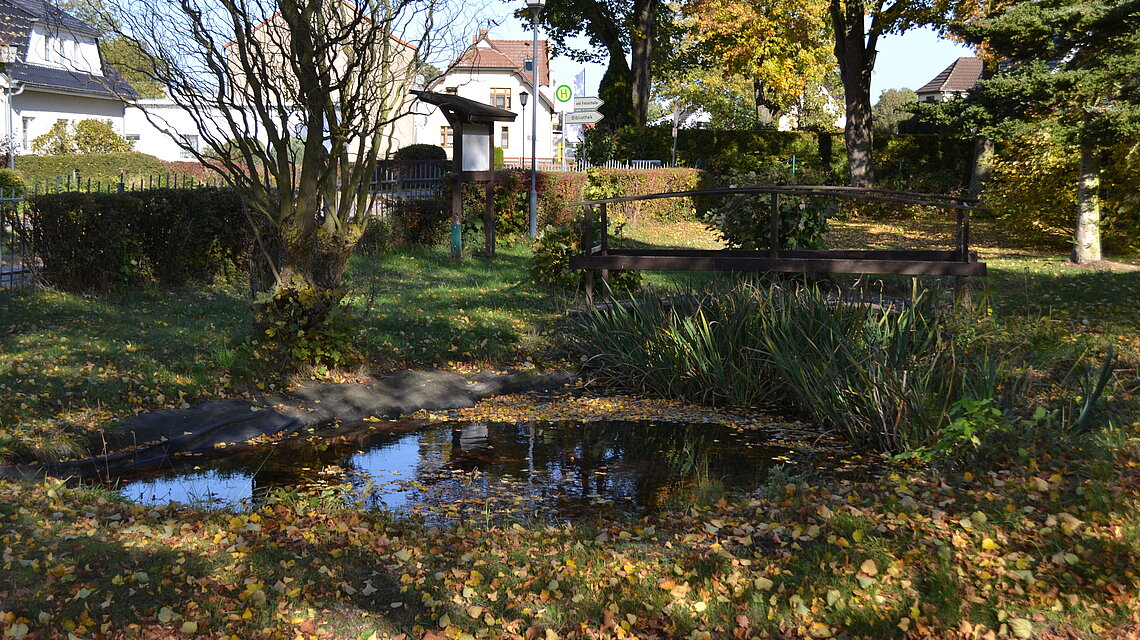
(1044, 543)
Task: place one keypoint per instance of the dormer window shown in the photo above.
(529, 64)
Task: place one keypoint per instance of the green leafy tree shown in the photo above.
(781, 48)
(98, 136)
(1072, 67)
(87, 136)
(58, 140)
(727, 98)
(892, 109)
(857, 26)
(640, 29)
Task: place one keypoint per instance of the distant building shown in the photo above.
(57, 74)
(955, 81)
(497, 72)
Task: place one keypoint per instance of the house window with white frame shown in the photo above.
(501, 98)
(446, 137)
(27, 124)
(505, 137)
(529, 64)
(191, 141)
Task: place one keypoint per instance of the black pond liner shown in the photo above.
(450, 472)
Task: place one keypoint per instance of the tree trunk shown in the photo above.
(641, 56)
(856, 57)
(983, 165)
(1086, 241)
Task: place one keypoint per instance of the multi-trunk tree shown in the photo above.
(1072, 66)
(294, 101)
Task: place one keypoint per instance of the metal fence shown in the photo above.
(18, 264)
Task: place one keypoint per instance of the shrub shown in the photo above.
(96, 167)
(550, 263)
(291, 335)
(98, 136)
(97, 241)
(89, 241)
(420, 221)
(87, 136)
(1033, 191)
(420, 152)
(744, 221)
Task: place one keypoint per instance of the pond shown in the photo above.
(448, 472)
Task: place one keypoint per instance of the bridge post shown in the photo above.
(774, 227)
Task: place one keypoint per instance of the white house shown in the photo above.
(955, 81)
(57, 74)
(498, 72)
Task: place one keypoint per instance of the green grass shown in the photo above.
(71, 365)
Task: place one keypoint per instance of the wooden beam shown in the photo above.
(783, 264)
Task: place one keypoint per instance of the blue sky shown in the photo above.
(906, 61)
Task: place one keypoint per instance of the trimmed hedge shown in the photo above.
(908, 161)
(99, 241)
(99, 167)
(557, 189)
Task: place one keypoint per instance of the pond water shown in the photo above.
(463, 471)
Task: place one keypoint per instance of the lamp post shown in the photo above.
(535, 7)
(523, 95)
(8, 54)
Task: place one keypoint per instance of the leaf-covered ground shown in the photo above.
(1049, 547)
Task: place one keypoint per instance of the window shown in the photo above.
(446, 137)
(505, 138)
(192, 142)
(133, 137)
(501, 98)
(452, 90)
(27, 122)
(529, 64)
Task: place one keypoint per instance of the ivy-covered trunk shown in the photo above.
(298, 311)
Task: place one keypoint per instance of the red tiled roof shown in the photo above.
(960, 76)
(506, 54)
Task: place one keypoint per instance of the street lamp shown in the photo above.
(523, 95)
(8, 54)
(535, 7)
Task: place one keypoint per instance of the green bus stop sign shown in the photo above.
(563, 93)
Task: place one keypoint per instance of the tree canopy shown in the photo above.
(1073, 67)
(779, 46)
(640, 29)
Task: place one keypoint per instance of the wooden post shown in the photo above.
(774, 225)
(457, 190)
(489, 212)
(587, 241)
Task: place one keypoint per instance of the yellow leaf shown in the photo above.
(989, 545)
(868, 567)
(189, 627)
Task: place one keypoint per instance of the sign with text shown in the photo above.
(583, 117)
(587, 103)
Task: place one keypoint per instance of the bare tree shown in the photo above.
(294, 101)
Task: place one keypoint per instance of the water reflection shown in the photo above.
(447, 472)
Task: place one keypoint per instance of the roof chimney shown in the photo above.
(482, 36)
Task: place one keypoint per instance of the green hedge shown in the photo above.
(98, 241)
(907, 161)
(557, 189)
(98, 167)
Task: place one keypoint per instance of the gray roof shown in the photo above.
(960, 76)
(17, 18)
(465, 109)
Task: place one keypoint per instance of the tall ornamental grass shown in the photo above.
(885, 377)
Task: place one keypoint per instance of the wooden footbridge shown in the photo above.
(959, 261)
